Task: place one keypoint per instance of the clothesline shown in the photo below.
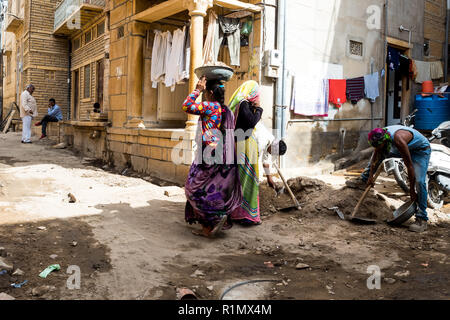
(312, 97)
(170, 57)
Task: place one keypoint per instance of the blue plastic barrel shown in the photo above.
(432, 111)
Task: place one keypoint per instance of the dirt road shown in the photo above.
(130, 241)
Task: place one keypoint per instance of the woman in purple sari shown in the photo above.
(213, 188)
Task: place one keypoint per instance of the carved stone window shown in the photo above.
(356, 48)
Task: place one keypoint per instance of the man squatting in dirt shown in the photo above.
(414, 148)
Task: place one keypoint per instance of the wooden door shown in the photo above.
(99, 85)
(170, 103)
(76, 94)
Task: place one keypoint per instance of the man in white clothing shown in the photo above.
(268, 146)
(28, 110)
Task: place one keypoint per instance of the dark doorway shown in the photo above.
(397, 89)
(100, 76)
(76, 93)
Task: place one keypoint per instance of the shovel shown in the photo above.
(294, 199)
(353, 217)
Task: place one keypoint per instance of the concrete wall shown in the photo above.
(318, 33)
(434, 28)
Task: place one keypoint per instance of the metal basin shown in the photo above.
(215, 73)
(404, 213)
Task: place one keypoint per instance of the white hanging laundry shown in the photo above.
(174, 72)
(436, 70)
(167, 80)
(158, 58)
(423, 71)
(210, 47)
(310, 96)
(187, 54)
(160, 51)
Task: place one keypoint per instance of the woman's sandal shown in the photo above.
(214, 231)
(219, 226)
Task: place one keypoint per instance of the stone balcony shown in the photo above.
(12, 22)
(72, 15)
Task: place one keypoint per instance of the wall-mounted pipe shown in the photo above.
(280, 110)
(279, 94)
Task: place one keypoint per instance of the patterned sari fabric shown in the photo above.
(249, 90)
(247, 150)
(248, 212)
(214, 191)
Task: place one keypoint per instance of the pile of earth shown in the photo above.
(316, 197)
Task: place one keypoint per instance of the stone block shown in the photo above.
(118, 14)
(139, 164)
(118, 102)
(156, 153)
(119, 118)
(143, 140)
(162, 169)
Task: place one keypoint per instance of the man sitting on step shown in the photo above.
(54, 114)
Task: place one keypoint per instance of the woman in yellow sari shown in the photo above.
(245, 104)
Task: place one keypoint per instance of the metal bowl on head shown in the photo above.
(215, 73)
(404, 213)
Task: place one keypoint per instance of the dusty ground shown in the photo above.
(131, 241)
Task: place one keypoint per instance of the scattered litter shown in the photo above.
(42, 228)
(330, 290)
(390, 280)
(402, 274)
(39, 291)
(49, 269)
(301, 266)
(5, 265)
(424, 265)
(185, 294)
(198, 273)
(269, 264)
(18, 272)
(53, 256)
(4, 296)
(210, 288)
(62, 145)
(173, 191)
(3, 272)
(74, 244)
(72, 198)
(18, 285)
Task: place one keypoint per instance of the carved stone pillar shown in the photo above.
(197, 11)
(135, 74)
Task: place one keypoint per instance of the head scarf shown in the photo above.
(249, 90)
(378, 136)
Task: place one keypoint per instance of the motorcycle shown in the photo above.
(438, 173)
